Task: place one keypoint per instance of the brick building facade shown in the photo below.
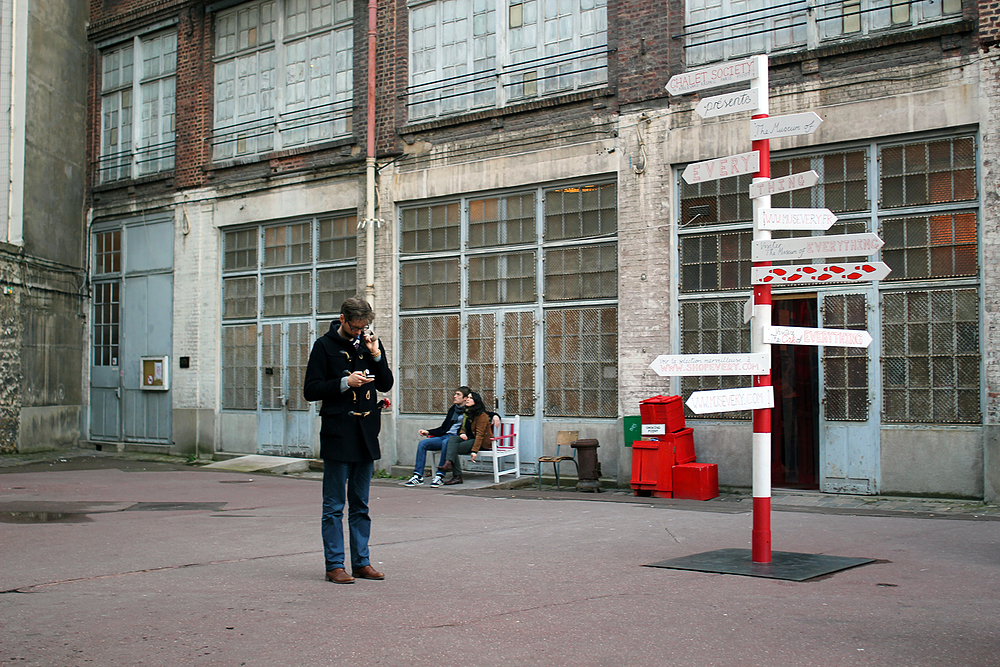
(538, 242)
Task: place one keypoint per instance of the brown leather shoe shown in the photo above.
(368, 572)
(338, 575)
(456, 479)
(447, 467)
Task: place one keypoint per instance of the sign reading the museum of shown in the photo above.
(784, 126)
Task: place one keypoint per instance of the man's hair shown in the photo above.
(356, 309)
(465, 390)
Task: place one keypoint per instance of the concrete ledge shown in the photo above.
(148, 448)
(276, 465)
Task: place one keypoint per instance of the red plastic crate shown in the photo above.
(696, 481)
(651, 468)
(683, 445)
(667, 410)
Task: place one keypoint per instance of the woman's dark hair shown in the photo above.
(477, 407)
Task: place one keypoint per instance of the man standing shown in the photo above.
(347, 366)
(436, 439)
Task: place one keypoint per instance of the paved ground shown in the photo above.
(108, 559)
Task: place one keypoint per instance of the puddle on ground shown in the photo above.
(42, 517)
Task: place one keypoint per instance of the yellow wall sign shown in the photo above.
(155, 373)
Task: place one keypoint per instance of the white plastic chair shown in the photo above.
(505, 444)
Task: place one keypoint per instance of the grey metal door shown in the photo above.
(148, 308)
(285, 419)
(502, 365)
(849, 447)
(105, 369)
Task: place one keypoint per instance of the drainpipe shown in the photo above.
(370, 163)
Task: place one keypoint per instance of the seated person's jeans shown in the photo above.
(433, 444)
(457, 447)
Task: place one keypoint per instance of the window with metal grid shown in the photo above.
(502, 220)
(338, 238)
(931, 246)
(481, 356)
(581, 362)
(288, 245)
(519, 363)
(714, 262)
(714, 327)
(239, 367)
(106, 329)
(431, 228)
(333, 287)
(108, 252)
(429, 362)
(430, 283)
(581, 212)
(928, 172)
(504, 278)
(288, 294)
(239, 298)
(843, 181)
(845, 369)
(931, 356)
(582, 272)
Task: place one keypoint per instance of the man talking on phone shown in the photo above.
(347, 367)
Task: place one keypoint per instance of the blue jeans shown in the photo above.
(433, 444)
(346, 483)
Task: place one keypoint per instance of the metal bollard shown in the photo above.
(590, 467)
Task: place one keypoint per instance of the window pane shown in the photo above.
(581, 212)
(581, 362)
(507, 278)
(286, 245)
(333, 287)
(934, 246)
(586, 272)
(239, 367)
(240, 250)
(287, 294)
(929, 172)
(338, 238)
(431, 228)
(427, 387)
(429, 284)
(714, 327)
(239, 297)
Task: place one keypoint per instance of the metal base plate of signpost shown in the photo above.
(783, 565)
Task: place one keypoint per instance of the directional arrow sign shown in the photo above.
(720, 105)
(775, 186)
(712, 77)
(731, 400)
(784, 126)
(667, 365)
(808, 247)
(795, 218)
(723, 167)
(819, 273)
(801, 336)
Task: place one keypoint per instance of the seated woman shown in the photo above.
(475, 434)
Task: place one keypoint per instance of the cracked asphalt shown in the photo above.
(119, 560)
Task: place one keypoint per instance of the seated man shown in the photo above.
(436, 439)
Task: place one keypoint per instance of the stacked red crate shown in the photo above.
(663, 462)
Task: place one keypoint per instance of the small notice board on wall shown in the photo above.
(155, 373)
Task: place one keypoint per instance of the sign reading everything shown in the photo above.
(803, 336)
(723, 167)
(667, 365)
(809, 247)
(731, 400)
(712, 77)
(773, 186)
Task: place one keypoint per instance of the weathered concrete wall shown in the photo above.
(989, 147)
(932, 461)
(10, 351)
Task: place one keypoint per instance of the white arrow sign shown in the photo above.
(720, 105)
(784, 126)
(723, 167)
(667, 365)
(795, 218)
(730, 400)
(810, 247)
(776, 186)
(712, 77)
(819, 273)
(802, 336)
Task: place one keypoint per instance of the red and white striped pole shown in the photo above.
(761, 536)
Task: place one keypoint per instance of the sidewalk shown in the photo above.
(729, 500)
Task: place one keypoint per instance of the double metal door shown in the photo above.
(284, 418)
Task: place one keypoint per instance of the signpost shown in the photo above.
(784, 126)
(775, 186)
(731, 400)
(803, 336)
(796, 218)
(720, 105)
(809, 247)
(712, 77)
(723, 167)
(667, 365)
(819, 273)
